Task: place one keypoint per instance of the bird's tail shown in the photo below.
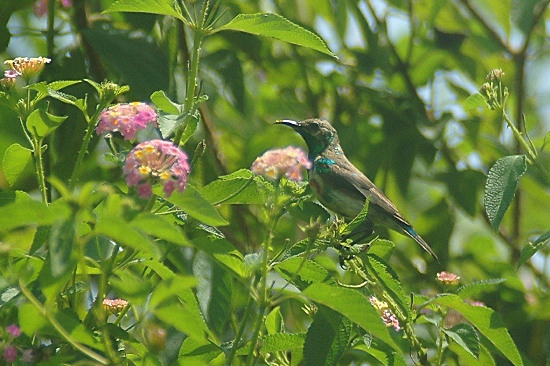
(413, 234)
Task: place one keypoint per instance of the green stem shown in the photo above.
(532, 155)
(192, 82)
(240, 331)
(91, 122)
(39, 166)
(59, 328)
(440, 343)
(262, 293)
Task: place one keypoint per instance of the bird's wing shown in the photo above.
(350, 178)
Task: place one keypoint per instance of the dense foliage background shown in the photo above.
(399, 94)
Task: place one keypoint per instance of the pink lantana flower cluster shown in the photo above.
(387, 315)
(127, 119)
(276, 163)
(448, 278)
(26, 67)
(114, 306)
(156, 161)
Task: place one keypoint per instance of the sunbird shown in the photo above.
(341, 187)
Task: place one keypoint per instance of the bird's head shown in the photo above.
(318, 134)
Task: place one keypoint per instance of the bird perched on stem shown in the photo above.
(341, 187)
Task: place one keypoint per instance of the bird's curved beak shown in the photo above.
(288, 122)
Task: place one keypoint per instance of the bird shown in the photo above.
(341, 187)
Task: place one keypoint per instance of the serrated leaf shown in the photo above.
(531, 248)
(17, 163)
(169, 288)
(382, 248)
(162, 102)
(224, 253)
(475, 101)
(357, 220)
(195, 205)
(184, 315)
(43, 88)
(168, 123)
(388, 278)
(475, 288)
(159, 227)
(501, 185)
(274, 321)
(282, 342)
(161, 7)
(240, 187)
(353, 305)
(40, 123)
(278, 27)
(466, 336)
(487, 322)
(194, 352)
(302, 272)
(320, 336)
(62, 97)
(190, 129)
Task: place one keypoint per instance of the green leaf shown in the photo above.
(475, 288)
(532, 247)
(40, 123)
(303, 273)
(68, 319)
(353, 305)
(60, 245)
(278, 27)
(214, 291)
(357, 220)
(27, 213)
(194, 204)
(487, 322)
(164, 103)
(184, 315)
(474, 102)
(323, 337)
(131, 286)
(501, 185)
(160, 7)
(387, 277)
(274, 321)
(224, 253)
(240, 187)
(124, 234)
(45, 89)
(382, 248)
(168, 123)
(169, 288)
(500, 10)
(30, 319)
(190, 129)
(282, 342)
(466, 336)
(195, 352)
(17, 163)
(160, 227)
